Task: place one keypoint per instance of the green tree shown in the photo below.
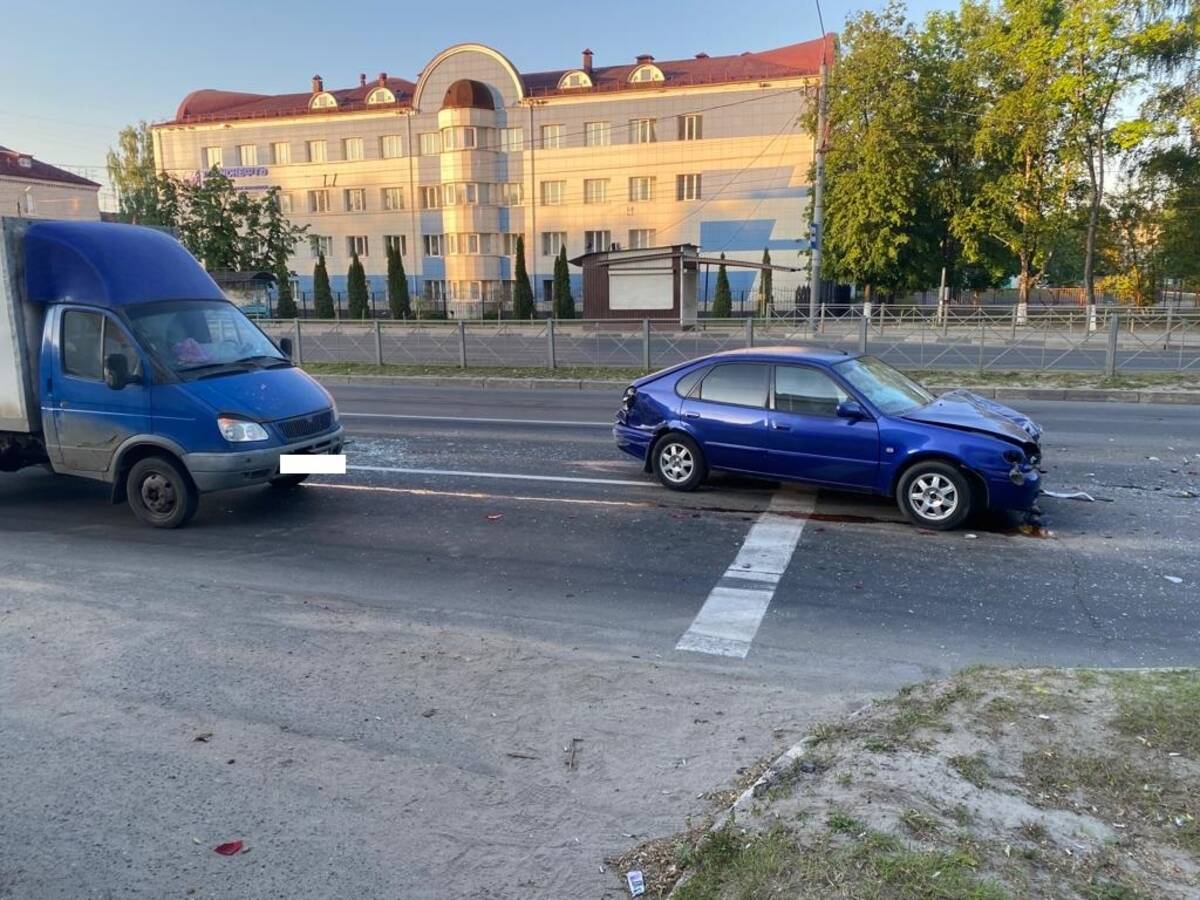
(399, 301)
(523, 305)
(322, 294)
(274, 236)
(722, 305)
(356, 288)
(564, 303)
(134, 177)
(765, 284)
(285, 303)
(211, 221)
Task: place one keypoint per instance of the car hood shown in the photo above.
(266, 395)
(970, 412)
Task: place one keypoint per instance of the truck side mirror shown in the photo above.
(116, 371)
(285, 344)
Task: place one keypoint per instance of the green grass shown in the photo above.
(1163, 708)
(591, 373)
(971, 767)
(916, 709)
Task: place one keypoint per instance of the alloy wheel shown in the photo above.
(933, 497)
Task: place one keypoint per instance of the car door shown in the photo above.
(727, 412)
(91, 419)
(809, 441)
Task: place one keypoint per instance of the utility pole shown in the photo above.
(816, 237)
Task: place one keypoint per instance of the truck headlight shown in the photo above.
(239, 431)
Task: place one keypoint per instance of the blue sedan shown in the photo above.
(832, 418)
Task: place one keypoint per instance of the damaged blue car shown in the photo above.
(835, 419)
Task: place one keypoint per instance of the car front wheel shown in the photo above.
(678, 462)
(935, 495)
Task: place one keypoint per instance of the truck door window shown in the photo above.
(81, 344)
(116, 342)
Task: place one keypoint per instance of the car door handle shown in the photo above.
(779, 426)
(691, 415)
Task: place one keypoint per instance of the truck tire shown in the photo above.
(160, 493)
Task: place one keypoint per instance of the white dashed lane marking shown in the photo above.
(728, 621)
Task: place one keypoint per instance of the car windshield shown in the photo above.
(889, 391)
(202, 336)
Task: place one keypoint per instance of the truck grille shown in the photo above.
(306, 426)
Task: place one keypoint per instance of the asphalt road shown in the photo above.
(430, 678)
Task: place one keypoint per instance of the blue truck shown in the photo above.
(121, 361)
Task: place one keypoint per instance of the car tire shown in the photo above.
(678, 462)
(160, 493)
(288, 481)
(935, 495)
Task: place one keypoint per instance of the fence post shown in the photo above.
(1110, 358)
(299, 348)
(462, 344)
(821, 321)
(378, 344)
(863, 324)
(749, 332)
(982, 336)
(551, 357)
(1014, 323)
(646, 344)
(1170, 325)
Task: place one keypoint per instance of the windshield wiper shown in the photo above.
(268, 361)
(213, 369)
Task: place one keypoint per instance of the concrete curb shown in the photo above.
(1092, 395)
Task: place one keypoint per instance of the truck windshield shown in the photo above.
(202, 336)
(889, 391)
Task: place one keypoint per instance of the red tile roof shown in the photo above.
(795, 59)
(22, 165)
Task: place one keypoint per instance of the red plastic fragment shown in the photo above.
(229, 848)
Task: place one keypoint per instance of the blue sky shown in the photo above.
(75, 71)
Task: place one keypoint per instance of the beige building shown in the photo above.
(454, 166)
(29, 187)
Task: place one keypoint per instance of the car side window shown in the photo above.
(81, 344)
(115, 342)
(685, 385)
(806, 391)
(742, 384)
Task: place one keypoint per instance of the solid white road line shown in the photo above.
(728, 621)
(420, 418)
(513, 476)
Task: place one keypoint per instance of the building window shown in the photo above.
(281, 153)
(431, 197)
(553, 242)
(391, 146)
(512, 193)
(640, 238)
(466, 194)
(434, 291)
(248, 154)
(596, 241)
(575, 79)
(380, 95)
(552, 137)
(687, 187)
(641, 188)
(645, 73)
(597, 134)
(397, 242)
(595, 190)
(433, 244)
(318, 201)
(512, 140)
(392, 197)
(642, 131)
(286, 204)
(691, 128)
(431, 143)
(352, 148)
(510, 244)
(322, 101)
(356, 200)
(320, 245)
(356, 243)
(460, 137)
(552, 192)
(316, 151)
(212, 157)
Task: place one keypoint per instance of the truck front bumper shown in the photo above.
(243, 468)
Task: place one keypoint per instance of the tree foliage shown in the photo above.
(322, 293)
(722, 305)
(285, 303)
(523, 305)
(765, 285)
(399, 300)
(357, 292)
(564, 303)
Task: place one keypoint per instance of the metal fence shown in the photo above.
(981, 339)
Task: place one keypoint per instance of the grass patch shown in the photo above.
(589, 373)
(919, 824)
(971, 767)
(1163, 708)
(915, 710)
(1018, 378)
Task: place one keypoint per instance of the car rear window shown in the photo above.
(743, 384)
(684, 385)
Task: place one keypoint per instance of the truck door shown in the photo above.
(91, 418)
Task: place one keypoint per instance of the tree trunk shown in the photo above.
(1023, 278)
(1089, 249)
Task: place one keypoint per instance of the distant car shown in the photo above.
(832, 418)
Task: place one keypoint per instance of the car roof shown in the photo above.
(821, 355)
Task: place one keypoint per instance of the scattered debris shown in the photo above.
(1174, 579)
(492, 517)
(1071, 495)
(971, 537)
(572, 752)
(429, 713)
(517, 755)
(637, 884)
(202, 738)
(1153, 459)
(229, 848)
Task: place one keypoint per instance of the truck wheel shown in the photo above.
(288, 481)
(160, 493)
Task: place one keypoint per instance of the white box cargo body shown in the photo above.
(20, 336)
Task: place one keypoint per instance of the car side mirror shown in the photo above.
(285, 344)
(116, 371)
(851, 409)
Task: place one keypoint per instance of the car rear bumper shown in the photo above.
(633, 441)
(243, 468)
